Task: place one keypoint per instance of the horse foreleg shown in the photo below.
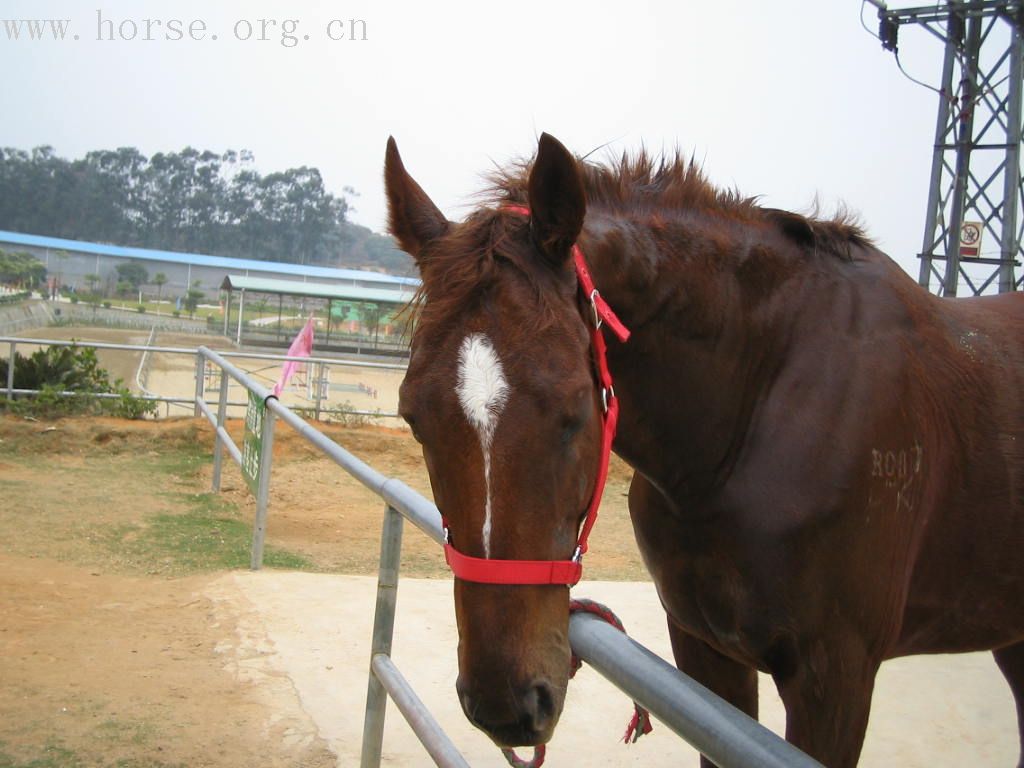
(731, 680)
(827, 695)
(1011, 662)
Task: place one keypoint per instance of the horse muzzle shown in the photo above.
(513, 717)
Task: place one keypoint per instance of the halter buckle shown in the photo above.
(598, 322)
(607, 395)
(447, 535)
(577, 555)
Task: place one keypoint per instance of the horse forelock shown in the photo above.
(461, 272)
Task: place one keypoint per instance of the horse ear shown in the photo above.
(557, 200)
(413, 218)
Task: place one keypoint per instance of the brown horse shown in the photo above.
(829, 461)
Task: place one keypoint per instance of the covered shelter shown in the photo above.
(348, 317)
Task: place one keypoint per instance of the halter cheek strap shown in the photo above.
(568, 572)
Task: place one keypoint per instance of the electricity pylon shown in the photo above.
(976, 188)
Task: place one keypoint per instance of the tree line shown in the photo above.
(21, 270)
(194, 201)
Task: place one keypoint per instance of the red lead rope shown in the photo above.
(487, 571)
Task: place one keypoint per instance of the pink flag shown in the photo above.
(302, 346)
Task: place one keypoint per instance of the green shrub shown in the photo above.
(55, 370)
(176, 313)
(13, 298)
(106, 305)
(74, 299)
(140, 309)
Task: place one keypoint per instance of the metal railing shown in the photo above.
(317, 408)
(717, 729)
(142, 372)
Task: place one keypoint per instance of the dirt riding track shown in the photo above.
(132, 635)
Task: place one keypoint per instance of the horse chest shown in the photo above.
(707, 588)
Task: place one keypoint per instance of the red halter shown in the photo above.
(487, 571)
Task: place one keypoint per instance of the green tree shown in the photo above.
(21, 269)
(159, 280)
(191, 200)
(192, 298)
(369, 316)
(133, 274)
(91, 279)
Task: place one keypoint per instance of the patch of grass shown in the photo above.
(159, 526)
(53, 756)
(182, 465)
(122, 732)
(209, 536)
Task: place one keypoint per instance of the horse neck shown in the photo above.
(689, 376)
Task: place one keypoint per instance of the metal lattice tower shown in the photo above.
(972, 231)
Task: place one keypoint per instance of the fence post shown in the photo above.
(10, 373)
(383, 631)
(218, 446)
(259, 529)
(200, 376)
(319, 367)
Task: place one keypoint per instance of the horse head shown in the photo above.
(500, 391)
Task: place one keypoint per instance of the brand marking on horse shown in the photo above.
(897, 465)
(483, 392)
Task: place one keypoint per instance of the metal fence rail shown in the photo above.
(142, 372)
(714, 727)
(148, 350)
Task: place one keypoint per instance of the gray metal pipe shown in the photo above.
(427, 730)
(259, 528)
(717, 729)
(10, 372)
(359, 469)
(222, 433)
(417, 510)
(218, 444)
(383, 632)
(115, 396)
(1010, 245)
(200, 380)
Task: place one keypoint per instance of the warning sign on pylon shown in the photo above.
(970, 238)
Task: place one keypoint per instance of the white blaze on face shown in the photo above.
(483, 392)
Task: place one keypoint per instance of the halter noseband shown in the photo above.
(568, 572)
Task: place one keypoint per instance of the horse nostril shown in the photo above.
(524, 718)
(539, 707)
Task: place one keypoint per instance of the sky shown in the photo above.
(790, 100)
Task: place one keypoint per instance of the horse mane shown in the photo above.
(641, 186)
(644, 185)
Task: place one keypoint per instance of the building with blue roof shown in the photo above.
(69, 261)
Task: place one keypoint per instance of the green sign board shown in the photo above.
(252, 444)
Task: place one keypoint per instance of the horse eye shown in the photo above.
(411, 421)
(570, 428)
